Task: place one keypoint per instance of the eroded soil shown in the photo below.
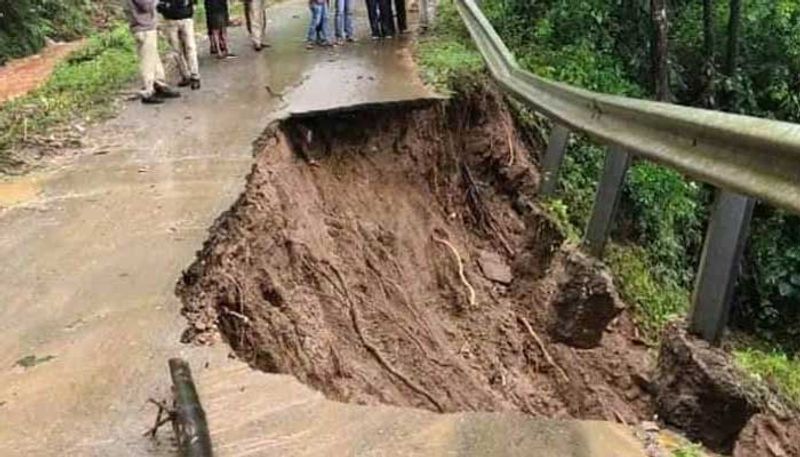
(340, 265)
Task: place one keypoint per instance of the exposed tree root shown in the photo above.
(540, 343)
(372, 349)
(460, 269)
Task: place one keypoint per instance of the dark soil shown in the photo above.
(336, 266)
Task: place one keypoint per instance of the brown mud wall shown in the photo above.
(393, 255)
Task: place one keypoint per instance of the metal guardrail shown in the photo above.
(738, 154)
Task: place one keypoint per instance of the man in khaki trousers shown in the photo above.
(179, 30)
(142, 18)
(256, 22)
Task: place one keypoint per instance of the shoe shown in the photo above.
(257, 47)
(376, 37)
(152, 100)
(195, 83)
(165, 92)
(350, 39)
(310, 45)
(185, 82)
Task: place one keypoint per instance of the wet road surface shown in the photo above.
(91, 252)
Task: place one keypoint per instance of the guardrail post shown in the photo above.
(719, 265)
(606, 201)
(553, 158)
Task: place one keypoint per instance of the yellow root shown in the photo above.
(460, 269)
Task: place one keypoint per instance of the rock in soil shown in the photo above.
(330, 270)
(699, 390)
(494, 267)
(768, 436)
(585, 304)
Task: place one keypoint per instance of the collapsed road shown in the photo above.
(384, 250)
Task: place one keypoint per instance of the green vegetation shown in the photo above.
(689, 450)
(24, 25)
(446, 54)
(774, 367)
(656, 302)
(83, 86)
(606, 46)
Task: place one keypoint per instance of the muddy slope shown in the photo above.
(391, 254)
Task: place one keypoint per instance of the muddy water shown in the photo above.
(90, 254)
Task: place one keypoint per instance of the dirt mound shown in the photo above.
(391, 255)
(767, 436)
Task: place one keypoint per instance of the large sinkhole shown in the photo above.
(393, 254)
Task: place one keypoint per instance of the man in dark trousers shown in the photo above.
(373, 12)
(400, 11)
(386, 18)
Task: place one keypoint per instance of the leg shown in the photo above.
(190, 48)
(400, 9)
(372, 13)
(387, 19)
(349, 30)
(258, 22)
(338, 19)
(144, 49)
(223, 42)
(314, 10)
(323, 27)
(175, 36)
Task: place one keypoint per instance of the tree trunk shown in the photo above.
(734, 26)
(658, 11)
(709, 70)
(732, 59)
(708, 29)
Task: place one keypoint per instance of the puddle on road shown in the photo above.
(15, 192)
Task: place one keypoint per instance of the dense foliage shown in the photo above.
(605, 45)
(24, 25)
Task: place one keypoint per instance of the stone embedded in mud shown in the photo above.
(542, 242)
(768, 436)
(585, 302)
(494, 267)
(700, 391)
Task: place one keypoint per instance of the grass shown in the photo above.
(445, 55)
(689, 450)
(82, 87)
(772, 366)
(656, 302)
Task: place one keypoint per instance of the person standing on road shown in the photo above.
(217, 22)
(179, 28)
(400, 11)
(374, 15)
(343, 21)
(318, 27)
(256, 13)
(386, 18)
(143, 22)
